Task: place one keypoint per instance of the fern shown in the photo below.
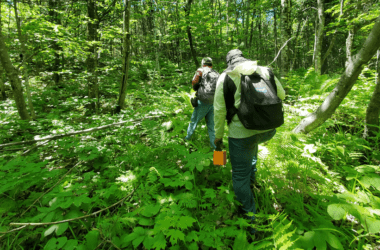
(282, 236)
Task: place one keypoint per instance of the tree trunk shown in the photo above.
(188, 29)
(373, 110)
(126, 57)
(92, 25)
(294, 58)
(285, 34)
(329, 49)
(3, 96)
(54, 19)
(275, 36)
(319, 37)
(25, 59)
(347, 80)
(12, 75)
(247, 24)
(349, 43)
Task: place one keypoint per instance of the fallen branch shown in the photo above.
(90, 130)
(23, 225)
(50, 188)
(277, 53)
(36, 146)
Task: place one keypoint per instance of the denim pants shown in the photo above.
(202, 110)
(243, 155)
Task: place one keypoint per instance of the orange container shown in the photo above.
(220, 158)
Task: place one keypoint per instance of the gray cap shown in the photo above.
(206, 60)
(232, 54)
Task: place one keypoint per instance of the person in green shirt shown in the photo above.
(243, 142)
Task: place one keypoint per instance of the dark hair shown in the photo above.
(208, 64)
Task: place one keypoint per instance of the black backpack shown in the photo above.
(207, 87)
(260, 107)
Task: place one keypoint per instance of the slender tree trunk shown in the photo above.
(227, 19)
(295, 59)
(12, 74)
(349, 43)
(258, 26)
(329, 49)
(188, 29)
(347, 80)
(373, 109)
(295, 46)
(247, 23)
(24, 60)
(92, 25)
(319, 37)
(285, 34)
(3, 96)
(56, 20)
(126, 57)
(275, 34)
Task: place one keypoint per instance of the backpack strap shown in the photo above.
(229, 89)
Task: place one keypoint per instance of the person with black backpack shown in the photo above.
(250, 98)
(204, 82)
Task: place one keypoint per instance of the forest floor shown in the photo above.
(314, 191)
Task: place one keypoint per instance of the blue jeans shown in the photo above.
(243, 155)
(202, 110)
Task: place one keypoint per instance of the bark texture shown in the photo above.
(285, 34)
(12, 75)
(126, 57)
(188, 30)
(373, 110)
(92, 59)
(319, 37)
(347, 80)
(25, 60)
(53, 4)
(3, 96)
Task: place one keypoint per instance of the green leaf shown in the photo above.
(160, 242)
(175, 235)
(92, 239)
(373, 225)
(51, 244)
(189, 185)
(61, 242)
(185, 222)
(50, 230)
(71, 244)
(193, 246)
(136, 242)
(240, 241)
(307, 240)
(148, 242)
(61, 228)
(340, 150)
(209, 193)
(199, 167)
(192, 236)
(262, 245)
(150, 210)
(336, 211)
(145, 222)
(333, 241)
(320, 241)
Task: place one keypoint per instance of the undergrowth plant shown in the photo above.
(140, 186)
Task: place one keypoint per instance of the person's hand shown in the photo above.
(218, 143)
(218, 140)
